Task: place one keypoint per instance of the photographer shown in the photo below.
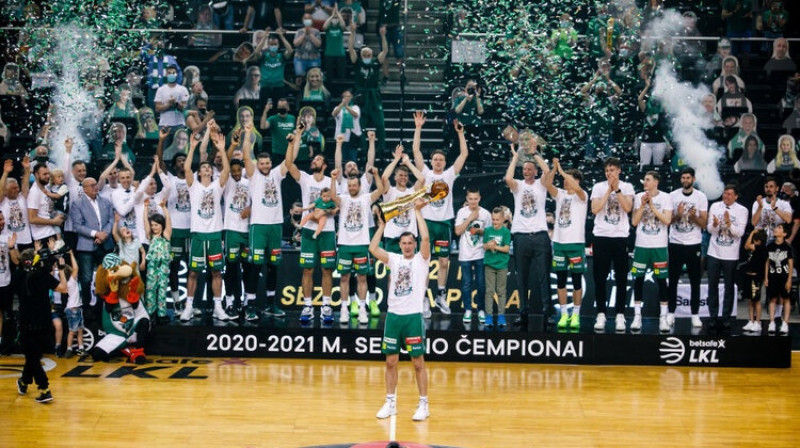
(34, 313)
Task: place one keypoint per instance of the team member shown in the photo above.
(471, 221)
(266, 221)
(205, 195)
(353, 239)
(179, 208)
(569, 239)
(40, 206)
(405, 328)
(13, 202)
(727, 220)
(401, 166)
(768, 210)
(440, 214)
(652, 214)
(529, 233)
(685, 237)
(236, 223)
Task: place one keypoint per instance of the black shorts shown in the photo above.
(776, 288)
(6, 300)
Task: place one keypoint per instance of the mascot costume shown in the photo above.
(125, 320)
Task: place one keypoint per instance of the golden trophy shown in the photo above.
(438, 190)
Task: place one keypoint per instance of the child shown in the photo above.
(753, 276)
(322, 207)
(73, 309)
(129, 247)
(58, 192)
(496, 241)
(158, 229)
(778, 276)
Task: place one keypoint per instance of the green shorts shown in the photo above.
(353, 259)
(236, 246)
(404, 331)
(655, 258)
(265, 244)
(440, 235)
(179, 243)
(323, 246)
(206, 252)
(569, 257)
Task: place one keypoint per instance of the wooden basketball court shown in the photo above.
(245, 402)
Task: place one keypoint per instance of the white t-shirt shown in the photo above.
(44, 209)
(356, 124)
(172, 117)
(366, 186)
(441, 210)
(206, 207)
(265, 192)
(470, 245)
(126, 204)
(309, 192)
(408, 283)
(529, 212)
(682, 231)
(353, 220)
(769, 219)
(5, 259)
(108, 191)
(15, 211)
(73, 294)
(651, 232)
(178, 203)
(612, 221)
(237, 198)
(725, 240)
(404, 222)
(570, 225)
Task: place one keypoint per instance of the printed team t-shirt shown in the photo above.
(404, 222)
(206, 207)
(570, 225)
(441, 210)
(237, 198)
(408, 283)
(683, 231)
(470, 245)
(310, 190)
(651, 232)
(353, 221)
(265, 193)
(529, 211)
(612, 221)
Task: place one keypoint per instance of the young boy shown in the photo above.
(778, 276)
(496, 241)
(319, 211)
(73, 309)
(471, 221)
(753, 276)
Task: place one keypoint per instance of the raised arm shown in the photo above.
(25, 182)
(512, 166)
(103, 179)
(351, 42)
(422, 227)
(167, 221)
(374, 245)
(163, 133)
(380, 188)
(187, 164)
(419, 121)
(291, 151)
(462, 146)
(146, 215)
(226, 166)
(334, 179)
(384, 45)
(8, 166)
(548, 178)
(370, 152)
(397, 156)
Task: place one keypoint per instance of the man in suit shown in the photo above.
(92, 218)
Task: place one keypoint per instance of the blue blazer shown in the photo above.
(84, 221)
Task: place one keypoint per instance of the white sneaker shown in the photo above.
(219, 313)
(671, 319)
(636, 325)
(747, 327)
(771, 328)
(467, 316)
(388, 409)
(426, 308)
(326, 314)
(481, 316)
(441, 303)
(344, 314)
(756, 327)
(784, 328)
(619, 323)
(197, 312)
(663, 325)
(363, 317)
(422, 412)
(307, 315)
(696, 322)
(187, 314)
(600, 322)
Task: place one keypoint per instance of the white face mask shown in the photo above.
(307, 22)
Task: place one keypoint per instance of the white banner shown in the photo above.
(684, 294)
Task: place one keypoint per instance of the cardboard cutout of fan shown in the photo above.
(437, 191)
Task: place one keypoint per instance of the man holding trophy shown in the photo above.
(399, 197)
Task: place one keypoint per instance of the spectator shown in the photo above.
(273, 64)
(315, 92)
(292, 227)
(689, 51)
(792, 122)
(733, 104)
(715, 62)
(730, 67)
(191, 74)
(244, 119)
(311, 141)
(307, 44)
(348, 125)
(148, 128)
(564, 39)
(771, 22)
(334, 61)
(257, 16)
(10, 84)
(738, 17)
(468, 106)
(780, 61)
(601, 105)
(280, 126)
(196, 93)
(747, 129)
(366, 85)
(752, 158)
(714, 129)
(654, 130)
(786, 159)
(180, 143)
(603, 33)
(123, 106)
(205, 23)
(222, 14)
(251, 90)
(350, 15)
(117, 137)
(389, 17)
(320, 11)
(197, 118)
(158, 64)
(170, 100)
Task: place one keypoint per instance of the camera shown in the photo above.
(46, 258)
(471, 91)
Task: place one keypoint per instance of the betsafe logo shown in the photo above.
(673, 350)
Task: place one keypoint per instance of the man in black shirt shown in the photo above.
(34, 322)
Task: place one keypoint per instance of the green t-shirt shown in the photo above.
(313, 137)
(279, 128)
(654, 128)
(315, 95)
(469, 114)
(334, 41)
(502, 236)
(272, 69)
(601, 116)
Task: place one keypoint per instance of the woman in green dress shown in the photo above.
(158, 229)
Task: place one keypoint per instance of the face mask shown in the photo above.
(172, 78)
(367, 60)
(282, 110)
(565, 24)
(307, 22)
(273, 48)
(623, 53)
